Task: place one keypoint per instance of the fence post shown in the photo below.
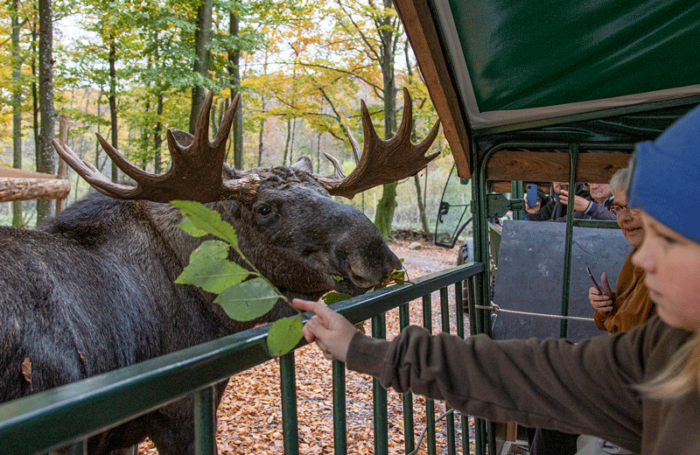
(290, 426)
(205, 421)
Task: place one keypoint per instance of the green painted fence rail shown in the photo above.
(66, 416)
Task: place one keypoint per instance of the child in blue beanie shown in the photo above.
(639, 389)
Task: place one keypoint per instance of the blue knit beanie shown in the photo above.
(666, 176)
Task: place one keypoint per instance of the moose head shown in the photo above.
(288, 225)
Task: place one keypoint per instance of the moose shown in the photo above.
(92, 289)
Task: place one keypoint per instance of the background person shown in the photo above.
(630, 305)
(639, 389)
(589, 204)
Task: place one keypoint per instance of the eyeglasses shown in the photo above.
(616, 208)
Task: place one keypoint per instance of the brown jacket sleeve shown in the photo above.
(632, 305)
(584, 388)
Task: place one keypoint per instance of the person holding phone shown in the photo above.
(589, 204)
(638, 389)
(630, 305)
(593, 207)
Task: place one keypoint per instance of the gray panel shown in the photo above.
(530, 276)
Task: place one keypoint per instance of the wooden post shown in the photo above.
(62, 167)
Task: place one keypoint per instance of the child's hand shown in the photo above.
(331, 330)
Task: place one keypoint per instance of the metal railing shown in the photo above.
(67, 416)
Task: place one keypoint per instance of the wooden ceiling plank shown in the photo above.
(553, 167)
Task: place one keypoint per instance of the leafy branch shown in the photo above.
(243, 292)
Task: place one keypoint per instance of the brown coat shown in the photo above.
(631, 303)
(585, 388)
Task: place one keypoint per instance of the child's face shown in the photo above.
(672, 263)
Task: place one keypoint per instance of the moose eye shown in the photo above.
(264, 210)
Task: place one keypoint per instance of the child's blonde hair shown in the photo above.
(682, 375)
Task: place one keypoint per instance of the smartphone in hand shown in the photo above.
(595, 283)
(531, 195)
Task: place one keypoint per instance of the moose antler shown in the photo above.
(195, 174)
(381, 161)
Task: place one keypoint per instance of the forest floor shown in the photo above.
(250, 417)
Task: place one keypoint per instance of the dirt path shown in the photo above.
(428, 259)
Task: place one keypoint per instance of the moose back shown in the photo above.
(93, 289)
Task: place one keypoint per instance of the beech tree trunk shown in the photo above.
(35, 71)
(113, 103)
(416, 179)
(62, 172)
(157, 139)
(201, 61)
(386, 206)
(421, 207)
(234, 57)
(16, 107)
(45, 155)
(261, 139)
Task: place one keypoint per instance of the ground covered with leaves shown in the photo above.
(250, 416)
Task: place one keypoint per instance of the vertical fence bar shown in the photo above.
(573, 161)
(429, 404)
(516, 192)
(381, 419)
(340, 438)
(459, 310)
(450, 419)
(478, 321)
(408, 423)
(205, 421)
(288, 391)
(480, 442)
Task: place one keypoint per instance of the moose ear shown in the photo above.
(304, 164)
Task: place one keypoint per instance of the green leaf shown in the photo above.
(210, 269)
(398, 276)
(335, 297)
(283, 335)
(188, 226)
(201, 219)
(248, 300)
(337, 278)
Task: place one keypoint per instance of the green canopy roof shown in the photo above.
(534, 59)
(517, 65)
